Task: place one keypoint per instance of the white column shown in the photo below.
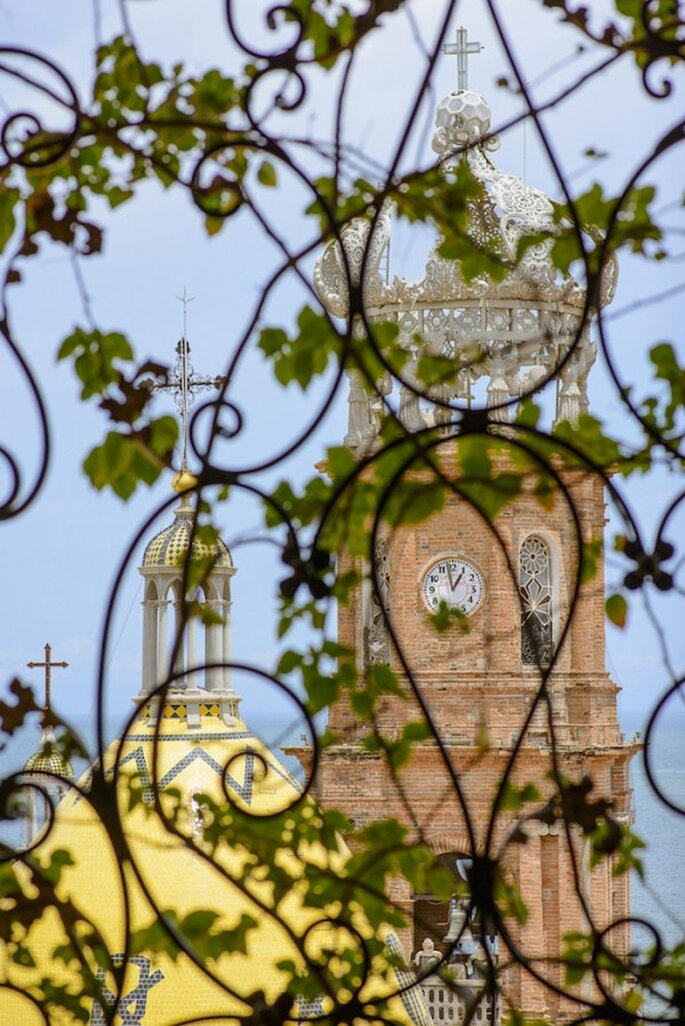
(31, 824)
(179, 644)
(191, 634)
(226, 645)
(213, 650)
(162, 643)
(149, 645)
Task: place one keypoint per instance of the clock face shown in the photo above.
(455, 581)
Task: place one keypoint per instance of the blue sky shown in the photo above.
(60, 558)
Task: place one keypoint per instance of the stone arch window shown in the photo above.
(454, 936)
(376, 636)
(537, 601)
(442, 921)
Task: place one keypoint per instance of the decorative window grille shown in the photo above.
(460, 1003)
(535, 584)
(377, 638)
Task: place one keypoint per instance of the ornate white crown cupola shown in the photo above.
(187, 631)
(512, 334)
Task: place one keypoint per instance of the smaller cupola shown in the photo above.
(187, 629)
(47, 772)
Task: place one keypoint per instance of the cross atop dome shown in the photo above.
(184, 382)
(47, 665)
(47, 763)
(462, 50)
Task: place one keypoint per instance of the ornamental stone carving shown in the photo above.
(462, 119)
(340, 265)
(512, 335)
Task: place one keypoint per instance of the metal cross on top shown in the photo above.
(461, 50)
(185, 383)
(48, 664)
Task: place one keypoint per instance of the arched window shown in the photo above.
(453, 931)
(537, 612)
(376, 625)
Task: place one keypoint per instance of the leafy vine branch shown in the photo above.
(424, 436)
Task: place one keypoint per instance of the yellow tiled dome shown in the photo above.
(49, 762)
(47, 759)
(170, 546)
(158, 989)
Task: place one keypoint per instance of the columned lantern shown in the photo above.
(185, 628)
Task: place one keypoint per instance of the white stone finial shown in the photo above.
(462, 119)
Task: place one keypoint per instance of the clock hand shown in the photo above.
(457, 580)
(449, 577)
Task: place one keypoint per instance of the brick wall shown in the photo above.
(476, 687)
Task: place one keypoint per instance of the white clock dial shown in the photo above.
(456, 582)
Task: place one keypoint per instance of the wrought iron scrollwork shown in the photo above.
(495, 346)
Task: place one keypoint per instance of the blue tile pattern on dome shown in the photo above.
(131, 1007)
(244, 789)
(170, 546)
(309, 1009)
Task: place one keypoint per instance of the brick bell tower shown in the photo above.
(513, 586)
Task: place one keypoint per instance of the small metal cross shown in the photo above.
(185, 383)
(48, 664)
(461, 50)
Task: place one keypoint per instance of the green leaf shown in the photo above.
(473, 456)
(590, 439)
(592, 553)
(527, 414)
(9, 198)
(266, 174)
(22, 956)
(617, 610)
(446, 616)
(413, 501)
(97, 355)
(12, 716)
(199, 922)
(307, 354)
(491, 496)
(124, 461)
(117, 196)
(59, 859)
(513, 798)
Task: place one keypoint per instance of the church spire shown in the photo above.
(186, 626)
